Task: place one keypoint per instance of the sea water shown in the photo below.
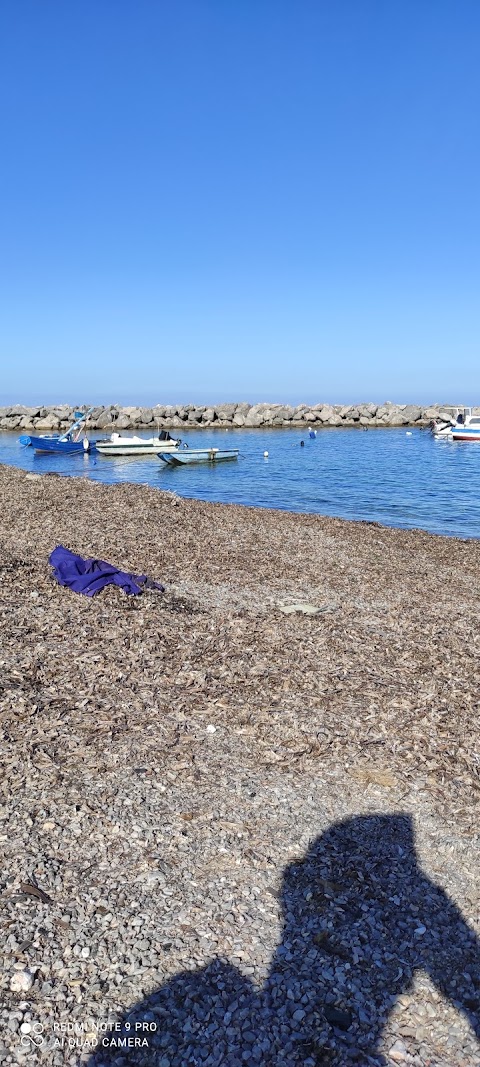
(395, 476)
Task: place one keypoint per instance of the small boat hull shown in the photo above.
(185, 456)
(59, 445)
(465, 435)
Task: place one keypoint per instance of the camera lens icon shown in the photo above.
(32, 1034)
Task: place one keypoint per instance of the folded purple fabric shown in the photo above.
(89, 576)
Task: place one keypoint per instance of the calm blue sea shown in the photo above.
(383, 475)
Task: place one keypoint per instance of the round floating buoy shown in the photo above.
(408, 433)
(265, 455)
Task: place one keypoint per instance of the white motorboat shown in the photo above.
(465, 427)
(119, 445)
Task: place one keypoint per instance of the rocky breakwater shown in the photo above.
(239, 415)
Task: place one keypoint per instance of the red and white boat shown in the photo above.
(465, 427)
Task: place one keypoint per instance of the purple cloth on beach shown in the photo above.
(89, 576)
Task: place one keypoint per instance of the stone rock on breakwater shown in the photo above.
(56, 417)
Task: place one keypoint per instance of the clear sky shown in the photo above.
(239, 199)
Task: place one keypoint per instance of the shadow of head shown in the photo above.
(355, 850)
(360, 919)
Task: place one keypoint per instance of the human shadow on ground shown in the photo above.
(360, 918)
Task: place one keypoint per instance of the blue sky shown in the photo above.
(239, 199)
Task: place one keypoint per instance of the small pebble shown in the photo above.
(21, 981)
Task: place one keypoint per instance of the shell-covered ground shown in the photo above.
(230, 833)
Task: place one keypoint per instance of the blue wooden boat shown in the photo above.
(183, 456)
(65, 443)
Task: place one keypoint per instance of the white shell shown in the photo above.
(21, 981)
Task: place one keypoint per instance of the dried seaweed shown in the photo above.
(110, 776)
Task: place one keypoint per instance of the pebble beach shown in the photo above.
(238, 819)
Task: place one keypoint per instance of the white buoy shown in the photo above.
(408, 433)
(265, 455)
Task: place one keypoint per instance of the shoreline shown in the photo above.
(168, 758)
(177, 498)
(83, 474)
